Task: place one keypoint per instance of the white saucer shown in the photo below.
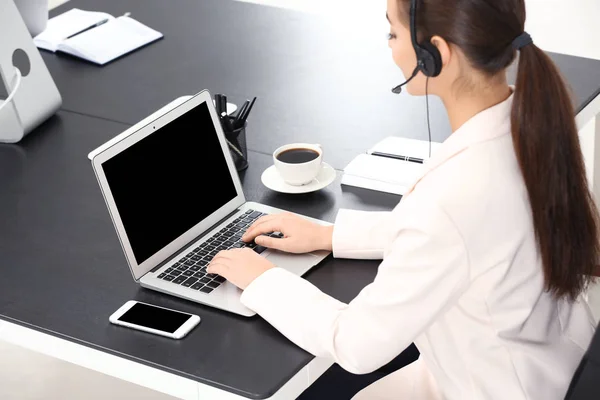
(271, 179)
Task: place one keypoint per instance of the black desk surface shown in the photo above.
(63, 271)
(317, 80)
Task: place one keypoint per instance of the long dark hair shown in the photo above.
(544, 132)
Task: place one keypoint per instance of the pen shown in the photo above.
(247, 111)
(218, 104)
(238, 118)
(88, 28)
(224, 104)
(398, 157)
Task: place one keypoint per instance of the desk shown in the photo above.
(63, 271)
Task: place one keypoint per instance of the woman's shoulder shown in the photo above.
(479, 182)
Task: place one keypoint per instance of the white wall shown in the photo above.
(564, 26)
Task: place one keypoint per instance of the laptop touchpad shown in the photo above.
(295, 263)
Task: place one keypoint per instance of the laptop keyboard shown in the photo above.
(190, 270)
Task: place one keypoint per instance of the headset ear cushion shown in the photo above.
(432, 59)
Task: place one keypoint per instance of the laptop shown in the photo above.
(175, 199)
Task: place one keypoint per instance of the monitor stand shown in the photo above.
(37, 98)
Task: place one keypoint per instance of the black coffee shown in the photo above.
(297, 156)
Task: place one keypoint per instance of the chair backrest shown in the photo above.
(585, 384)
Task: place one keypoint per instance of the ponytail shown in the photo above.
(547, 146)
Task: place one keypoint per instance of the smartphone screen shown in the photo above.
(155, 317)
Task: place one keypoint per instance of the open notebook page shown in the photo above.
(110, 40)
(66, 24)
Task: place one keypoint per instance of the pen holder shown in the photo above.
(236, 141)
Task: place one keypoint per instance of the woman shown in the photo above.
(485, 258)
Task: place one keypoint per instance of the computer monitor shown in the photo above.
(33, 95)
(34, 14)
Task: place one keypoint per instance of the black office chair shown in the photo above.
(585, 384)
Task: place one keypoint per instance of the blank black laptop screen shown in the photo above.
(169, 181)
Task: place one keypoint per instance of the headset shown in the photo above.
(429, 59)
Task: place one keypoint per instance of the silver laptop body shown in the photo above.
(170, 185)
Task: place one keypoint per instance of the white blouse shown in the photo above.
(461, 277)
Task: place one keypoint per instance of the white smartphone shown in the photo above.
(154, 319)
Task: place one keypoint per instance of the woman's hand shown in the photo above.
(239, 266)
(300, 235)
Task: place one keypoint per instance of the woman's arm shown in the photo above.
(361, 234)
(423, 275)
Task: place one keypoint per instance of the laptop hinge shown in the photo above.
(175, 254)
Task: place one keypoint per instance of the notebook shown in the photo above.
(94, 36)
(391, 166)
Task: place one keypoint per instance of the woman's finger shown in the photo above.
(272, 225)
(273, 243)
(218, 268)
(260, 221)
(215, 268)
(263, 219)
(223, 254)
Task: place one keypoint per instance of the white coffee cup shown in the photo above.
(298, 173)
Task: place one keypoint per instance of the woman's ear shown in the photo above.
(444, 48)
